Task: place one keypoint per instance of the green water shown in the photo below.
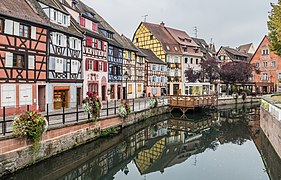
(200, 146)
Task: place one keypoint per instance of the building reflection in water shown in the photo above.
(154, 146)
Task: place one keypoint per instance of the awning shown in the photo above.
(61, 88)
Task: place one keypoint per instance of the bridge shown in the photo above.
(185, 103)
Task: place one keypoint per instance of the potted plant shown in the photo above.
(31, 125)
(92, 105)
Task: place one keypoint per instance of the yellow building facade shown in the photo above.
(156, 38)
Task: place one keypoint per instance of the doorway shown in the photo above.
(124, 92)
(61, 98)
(119, 92)
(175, 89)
(78, 96)
(41, 98)
(103, 93)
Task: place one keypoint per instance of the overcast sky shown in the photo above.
(227, 22)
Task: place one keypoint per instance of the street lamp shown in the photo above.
(126, 77)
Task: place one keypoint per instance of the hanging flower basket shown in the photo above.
(153, 103)
(31, 125)
(92, 105)
(125, 109)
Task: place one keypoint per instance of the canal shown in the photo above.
(215, 145)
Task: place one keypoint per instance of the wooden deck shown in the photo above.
(185, 103)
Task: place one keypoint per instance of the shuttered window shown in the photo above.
(9, 27)
(74, 66)
(82, 21)
(96, 65)
(104, 66)
(33, 32)
(8, 95)
(94, 26)
(9, 59)
(25, 95)
(59, 65)
(31, 61)
(89, 42)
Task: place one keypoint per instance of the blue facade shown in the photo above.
(115, 63)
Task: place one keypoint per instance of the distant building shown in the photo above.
(269, 79)
(208, 50)
(247, 48)
(227, 54)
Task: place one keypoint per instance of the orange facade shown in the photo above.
(269, 64)
(23, 64)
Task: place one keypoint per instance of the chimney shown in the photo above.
(162, 24)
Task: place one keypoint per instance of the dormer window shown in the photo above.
(176, 48)
(168, 48)
(56, 15)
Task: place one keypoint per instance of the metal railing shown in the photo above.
(70, 112)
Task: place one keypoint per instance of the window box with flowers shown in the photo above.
(31, 125)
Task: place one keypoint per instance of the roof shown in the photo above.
(181, 37)
(151, 57)
(165, 38)
(128, 44)
(205, 47)
(245, 48)
(117, 39)
(20, 9)
(57, 5)
(233, 51)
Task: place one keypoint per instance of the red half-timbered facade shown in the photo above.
(94, 49)
(23, 62)
(155, 74)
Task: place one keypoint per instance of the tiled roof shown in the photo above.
(205, 48)
(161, 34)
(117, 39)
(20, 9)
(56, 4)
(182, 37)
(234, 52)
(151, 57)
(128, 44)
(245, 48)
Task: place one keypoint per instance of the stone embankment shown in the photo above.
(17, 153)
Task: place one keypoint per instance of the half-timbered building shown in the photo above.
(133, 64)
(159, 40)
(23, 39)
(155, 74)
(64, 72)
(94, 49)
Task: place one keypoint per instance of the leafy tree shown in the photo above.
(191, 75)
(237, 72)
(274, 27)
(210, 70)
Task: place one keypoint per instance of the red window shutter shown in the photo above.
(102, 45)
(89, 41)
(104, 66)
(82, 21)
(94, 26)
(87, 64)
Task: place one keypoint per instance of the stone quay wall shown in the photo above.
(16, 153)
(270, 123)
(230, 100)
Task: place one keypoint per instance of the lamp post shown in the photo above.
(126, 77)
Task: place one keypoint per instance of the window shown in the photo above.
(18, 61)
(273, 63)
(265, 64)
(184, 49)
(110, 35)
(197, 61)
(1, 25)
(176, 48)
(25, 95)
(153, 67)
(151, 37)
(196, 50)
(82, 21)
(139, 88)
(137, 39)
(257, 64)
(191, 60)
(130, 89)
(153, 78)
(264, 77)
(24, 31)
(265, 51)
(168, 48)
(90, 65)
(186, 60)
(176, 58)
(8, 95)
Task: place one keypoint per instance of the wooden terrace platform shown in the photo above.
(185, 103)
